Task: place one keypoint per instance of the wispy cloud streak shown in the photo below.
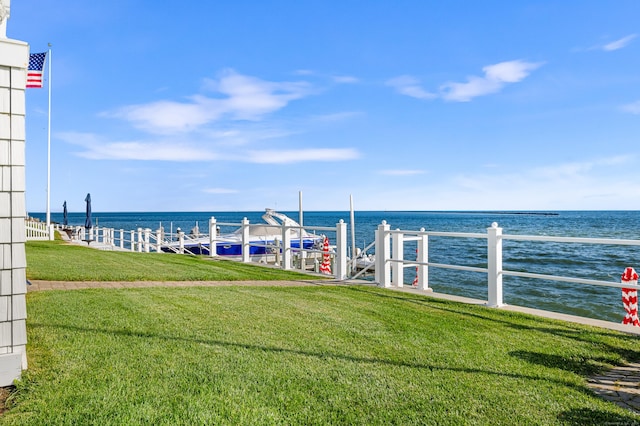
(496, 77)
(619, 44)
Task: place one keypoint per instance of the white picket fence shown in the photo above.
(287, 257)
(38, 230)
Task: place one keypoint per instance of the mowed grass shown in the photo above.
(335, 355)
(60, 261)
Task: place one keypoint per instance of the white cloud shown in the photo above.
(633, 108)
(97, 149)
(244, 98)
(495, 78)
(301, 155)
(249, 98)
(619, 44)
(410, 86)
(401, 172)
(169, 116)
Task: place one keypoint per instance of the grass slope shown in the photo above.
(59, 261)
(304, 355)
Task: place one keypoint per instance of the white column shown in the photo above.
(147, 239)
(383, 252)
(246, 254)
(340, 267)
(494, 265)
(213, 233)
(159, 240)
(397, 267)
(286, 247)
(140, 241)
(423, 257)
(180, 241)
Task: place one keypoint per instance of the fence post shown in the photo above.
(122, 238)
(133, 240)
(423, 257)
(246, 248)
(302, 253)
(147, 235)
(286, 247)
(213, 234)
(276, 242)
(340, 272)
(140, 240)
(494, 265)
(51, 232)
(383, 248)
(159, 240)
(397, 267)
(180, 241)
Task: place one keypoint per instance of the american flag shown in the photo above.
(36, 68)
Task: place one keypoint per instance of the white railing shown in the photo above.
(286, 256)
(38, 230)
(390, 262)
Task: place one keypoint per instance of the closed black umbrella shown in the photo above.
(88, 223)
(65, 220)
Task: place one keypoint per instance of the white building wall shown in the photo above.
(14, 57)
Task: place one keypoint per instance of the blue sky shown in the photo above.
(406, 105)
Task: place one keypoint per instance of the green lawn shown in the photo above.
(59, 261)
(304, 355)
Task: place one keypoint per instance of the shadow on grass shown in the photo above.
(588, 416)
(319, 355)
(581, 366)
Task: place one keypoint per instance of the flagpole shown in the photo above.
(49, 148)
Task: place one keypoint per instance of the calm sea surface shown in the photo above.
(577, 260)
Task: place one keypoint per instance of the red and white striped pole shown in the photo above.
(325, 267)
(630, 298)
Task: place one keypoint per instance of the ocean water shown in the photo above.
(599, 262)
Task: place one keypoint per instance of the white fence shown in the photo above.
(390, 262)
(284, 255)
(38, 230)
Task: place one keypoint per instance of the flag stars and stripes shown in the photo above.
(36, 69)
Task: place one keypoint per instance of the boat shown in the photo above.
(365, 261)
(264, 239)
